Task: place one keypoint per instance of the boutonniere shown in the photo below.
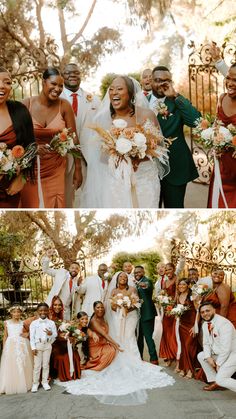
(160, 108)
(89, 97)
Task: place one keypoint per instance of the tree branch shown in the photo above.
(39, 5)
(79, 34)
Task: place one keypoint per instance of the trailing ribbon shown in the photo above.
(122, 318)
(178, 338)
(123, 170)
(196, 328)
(40, 190)
(158, 328)
(70, 355)
(217, 186)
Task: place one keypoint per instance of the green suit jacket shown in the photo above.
(182, 167)
(148, 310)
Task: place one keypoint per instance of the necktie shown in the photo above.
(209, 326)
(145, 93)
(162, 282)
(75, 103)
(70, 283)
(103, 283)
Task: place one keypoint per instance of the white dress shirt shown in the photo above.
(38, 332)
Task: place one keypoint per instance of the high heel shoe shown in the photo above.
(182, 374)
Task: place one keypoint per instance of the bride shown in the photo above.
(126, 379)
(127, 182)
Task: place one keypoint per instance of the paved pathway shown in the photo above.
(184, 400)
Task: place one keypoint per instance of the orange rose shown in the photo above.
(115, 132)
(204, 124)
(129, 133)
(234, 140)
(18, 151)
(63, 136)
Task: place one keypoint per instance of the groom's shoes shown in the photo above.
(155, 362)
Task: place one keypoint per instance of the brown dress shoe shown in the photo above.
(155, 362)
(212, 387)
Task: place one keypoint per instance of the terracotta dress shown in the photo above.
(227, 168)
(59, 362)
(231, 309)
(52, 169)
(168, 345)
(6, 201)
(189, 344)
(101, 353)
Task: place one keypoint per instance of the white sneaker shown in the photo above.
(34, 388)
(46, 386)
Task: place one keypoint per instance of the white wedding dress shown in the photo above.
(125, 381)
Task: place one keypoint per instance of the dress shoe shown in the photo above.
(34, 388)
(212, 387)
(155, 362)
(46, 386)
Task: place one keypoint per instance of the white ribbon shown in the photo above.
(40, 190)
(178, 338)
(196, 328)
(70, 355)
(217, 186)
(125, 173)
(122, 318)
(158, 328)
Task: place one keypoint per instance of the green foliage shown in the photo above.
(148, 260)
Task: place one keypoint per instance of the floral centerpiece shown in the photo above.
(211, 134)
(63, 143)
(17, 159)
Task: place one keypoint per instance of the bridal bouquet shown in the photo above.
(70, 330)
(179, 310)
(14, 160)
(164, 300)
(123, 143)
(125, 301)
(213, 135)
(63, 143)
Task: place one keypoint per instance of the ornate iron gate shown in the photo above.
(35, 284)
(26, 68)
(199, 256)
(205, 86)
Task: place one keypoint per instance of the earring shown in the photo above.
(133, 100)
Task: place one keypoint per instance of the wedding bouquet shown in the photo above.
(213, 135)
(179, 310)
(123, 143)
(199, 290)
(70, 330)
(14, 160)
(164, 300)
(125, 301)
(63, 143)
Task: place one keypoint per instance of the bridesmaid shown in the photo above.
(186, 364)
(103, 351)
(50, 116)
(222, 297)
(226, 113)
(16, 128)
(168, 346)
(59, 362)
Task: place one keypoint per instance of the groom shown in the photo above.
(174, 111)
(148, 312)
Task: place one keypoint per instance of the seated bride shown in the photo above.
(125, 151)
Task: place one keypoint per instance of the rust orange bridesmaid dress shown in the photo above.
(189, 346)
(168, 345)
(101, 353)
(52, 169)
(7, 201)
(213, 297)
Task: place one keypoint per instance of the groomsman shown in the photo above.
(218, 358)
(173, 112)
(65, 284)
(148, 312)
(84, 106)
(146, 82)
(94, 288)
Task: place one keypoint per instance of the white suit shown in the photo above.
(92, 288)
(87, 106)
(219, 344)
(61, 287)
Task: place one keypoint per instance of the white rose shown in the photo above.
(1, 155)
(119, 302)
(119, 123)
(206, 134)
(123, 145)
(7, 166)
(226, 133)
(139, 139)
